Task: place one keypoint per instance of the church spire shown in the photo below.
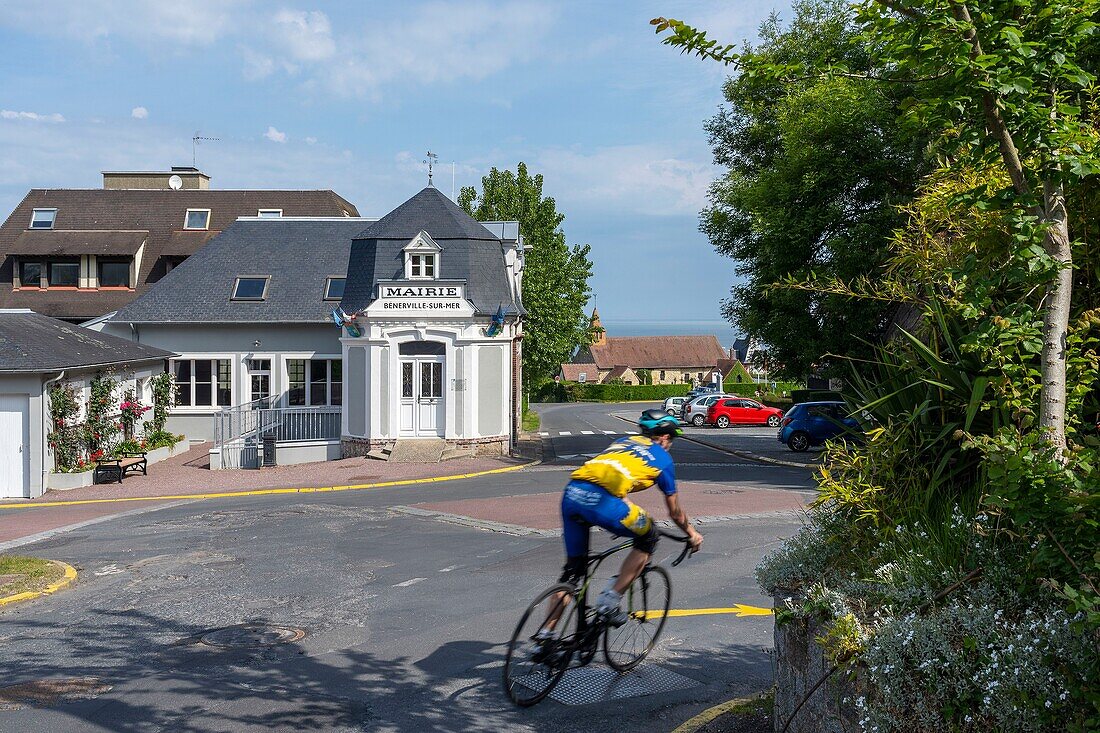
(596, 330)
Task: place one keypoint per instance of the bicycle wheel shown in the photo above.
(532, 667)
(646, 601)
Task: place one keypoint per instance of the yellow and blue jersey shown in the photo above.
(630, 464)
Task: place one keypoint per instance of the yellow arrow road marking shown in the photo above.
(739, 609)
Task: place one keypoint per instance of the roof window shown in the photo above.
(251, 288)
(269, 213)
(43, 218)
(197, 219)
(334, 288)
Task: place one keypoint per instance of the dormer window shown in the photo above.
(269, 213)
(197, 219)
(422, 258)
(43, 218)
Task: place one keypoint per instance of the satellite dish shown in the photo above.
(175, 183)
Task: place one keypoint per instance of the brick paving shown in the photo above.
(700, 499)
(189, 473)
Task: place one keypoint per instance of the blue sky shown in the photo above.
(349, 96)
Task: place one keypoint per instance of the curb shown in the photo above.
(710, 714)
(66, 579)
(269, 492)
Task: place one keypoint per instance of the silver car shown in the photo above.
(675, 405)
(695, 412)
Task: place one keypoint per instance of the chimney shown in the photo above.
(190, 178)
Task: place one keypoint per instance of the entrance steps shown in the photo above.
(418, 450)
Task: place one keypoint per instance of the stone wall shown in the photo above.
(800, 663)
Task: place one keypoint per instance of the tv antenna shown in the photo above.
(195, 140)
(432, 158)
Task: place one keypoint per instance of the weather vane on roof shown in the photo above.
(432, 158)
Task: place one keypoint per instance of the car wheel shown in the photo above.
(798, 442)
(773, 421)
(722, 422)
(697, 421)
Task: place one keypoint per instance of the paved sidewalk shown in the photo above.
(189, 473)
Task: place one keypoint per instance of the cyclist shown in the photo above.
(596, 495)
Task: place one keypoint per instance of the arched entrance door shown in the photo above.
(422, 404)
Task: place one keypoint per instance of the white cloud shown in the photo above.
(8, 114)
(184, 22)
(637, 179)
(139, 113)
(274, 135)
(311, 140)
(307, 36)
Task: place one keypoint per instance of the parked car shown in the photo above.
(742, 411)
(675, 405)
(812, 423)
(695, 411)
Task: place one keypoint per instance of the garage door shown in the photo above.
(15, 448)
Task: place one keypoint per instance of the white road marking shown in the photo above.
(407, 583)
(109, 570)
(564, 432)
(448, 569)
(609, 432)
(545, 435)
(631, 432)
(587, 432)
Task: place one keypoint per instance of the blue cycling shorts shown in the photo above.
(585, 505)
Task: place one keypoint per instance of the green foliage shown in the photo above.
(163, 388)
(64, 437)
(816, 170)
(555, 275)
(738, 374)
(100, 424)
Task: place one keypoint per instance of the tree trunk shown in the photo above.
(1052, 408)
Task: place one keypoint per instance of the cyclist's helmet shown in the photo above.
(659, 422)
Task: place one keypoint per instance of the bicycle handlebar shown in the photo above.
(679, 538)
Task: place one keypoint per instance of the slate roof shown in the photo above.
(298, 255)
(658, 352)
(159, 211)
(30, 342)
(470, 252)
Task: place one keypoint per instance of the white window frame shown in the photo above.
(237, 281)
(328, 281)
(269, 213)
(307, 376)
(34, 216)
(417, 253)
(187, 216)
(233, 389)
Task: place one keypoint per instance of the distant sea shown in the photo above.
(721, 329)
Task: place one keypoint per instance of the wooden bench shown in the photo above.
(119, 466)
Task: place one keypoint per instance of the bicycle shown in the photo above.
(533, 666)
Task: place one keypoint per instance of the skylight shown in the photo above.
(269, 213)
(334, 288)
(197, 219)
(250, 288)
(43, 218)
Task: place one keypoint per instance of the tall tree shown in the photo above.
(555, 275)
(1014, 83)
(817, 168)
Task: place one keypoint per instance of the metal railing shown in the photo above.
(239, 430)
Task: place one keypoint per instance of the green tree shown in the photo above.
(817, 168)
(555, 275)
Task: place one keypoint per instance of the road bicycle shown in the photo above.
(533, 666)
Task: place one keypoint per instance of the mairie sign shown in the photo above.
(407, 297)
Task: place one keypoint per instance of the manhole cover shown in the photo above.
(586, 685)
(50, 692)
(251, 635)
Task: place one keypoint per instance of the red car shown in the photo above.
(742, 411)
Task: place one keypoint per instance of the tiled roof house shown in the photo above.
(78, 254)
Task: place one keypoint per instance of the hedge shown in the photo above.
(591, 391)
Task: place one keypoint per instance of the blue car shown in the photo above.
(812, 423)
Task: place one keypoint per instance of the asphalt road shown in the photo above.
(404, 614)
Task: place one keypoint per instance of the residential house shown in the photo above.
(78, 254)
(36, 353)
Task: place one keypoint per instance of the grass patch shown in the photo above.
(19, 574)
(531, 421)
